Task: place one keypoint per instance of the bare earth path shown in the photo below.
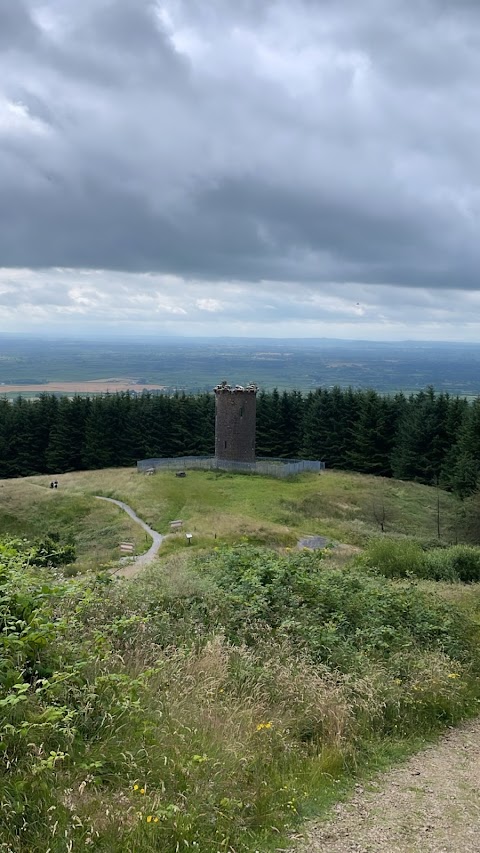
(431, 804)
(137, 563)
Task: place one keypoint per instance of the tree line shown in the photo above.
(428, 437)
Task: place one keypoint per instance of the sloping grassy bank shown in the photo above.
(28, 507)
(206, 707)
(219, 507)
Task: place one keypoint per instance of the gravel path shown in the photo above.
(135, 564)
(431, 804)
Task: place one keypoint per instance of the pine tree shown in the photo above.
(461, 468)
(372, 436)
(99, 447)
(263, 437)
(67, 435)
(5, 413)
(291, 424)
(330, 417)
(29, 428)
(421, 441)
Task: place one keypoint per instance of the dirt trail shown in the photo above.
(135, 564)
(431, 804)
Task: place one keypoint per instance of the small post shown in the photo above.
(188, 537)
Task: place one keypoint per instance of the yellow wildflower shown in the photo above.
(155, 819)
(142, 790)
(135, 787)
(453, 675)
(149, 818)
(262, 726)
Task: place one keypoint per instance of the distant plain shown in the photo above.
(31, 366)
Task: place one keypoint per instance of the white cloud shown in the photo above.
(73, 301)
(16, 119)
(213, 306)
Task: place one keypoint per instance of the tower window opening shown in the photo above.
(224, 445)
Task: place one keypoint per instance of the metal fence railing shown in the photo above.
(272, 467)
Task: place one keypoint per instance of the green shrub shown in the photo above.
(333, 617)
(26, 626)
(438, 566)
(466, 562)
(52, 551)
(394, 558)
(456, 563)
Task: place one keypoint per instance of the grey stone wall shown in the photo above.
(235, 422)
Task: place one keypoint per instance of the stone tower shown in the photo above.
(235, 420)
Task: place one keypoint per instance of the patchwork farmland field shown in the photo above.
(90, 387)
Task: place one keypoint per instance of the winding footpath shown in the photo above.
(430, 804)
(135, 564)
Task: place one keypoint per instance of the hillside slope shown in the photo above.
(218, 507)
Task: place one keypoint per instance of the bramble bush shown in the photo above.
(332, 616)
(53, 551)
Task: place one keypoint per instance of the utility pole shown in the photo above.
(438, 506)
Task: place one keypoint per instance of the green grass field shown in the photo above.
(218, 507)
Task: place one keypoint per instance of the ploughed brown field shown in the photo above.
(94, 386)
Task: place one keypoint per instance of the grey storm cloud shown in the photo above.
(297, 140)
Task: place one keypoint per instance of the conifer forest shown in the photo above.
(429, 437)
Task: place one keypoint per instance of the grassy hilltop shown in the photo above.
(235, 686)
(347, 507)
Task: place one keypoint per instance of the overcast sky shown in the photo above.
(244, 167)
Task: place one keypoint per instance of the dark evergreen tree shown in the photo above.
(5, 417)
(262, 438)
(329, 423)
(421, 440)
(100, 434)
(67, 435)
(291, 424)
(372, 435)
(461, 468)
(202, 413)
(29, 429)
(313, 426)
(182, 426)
